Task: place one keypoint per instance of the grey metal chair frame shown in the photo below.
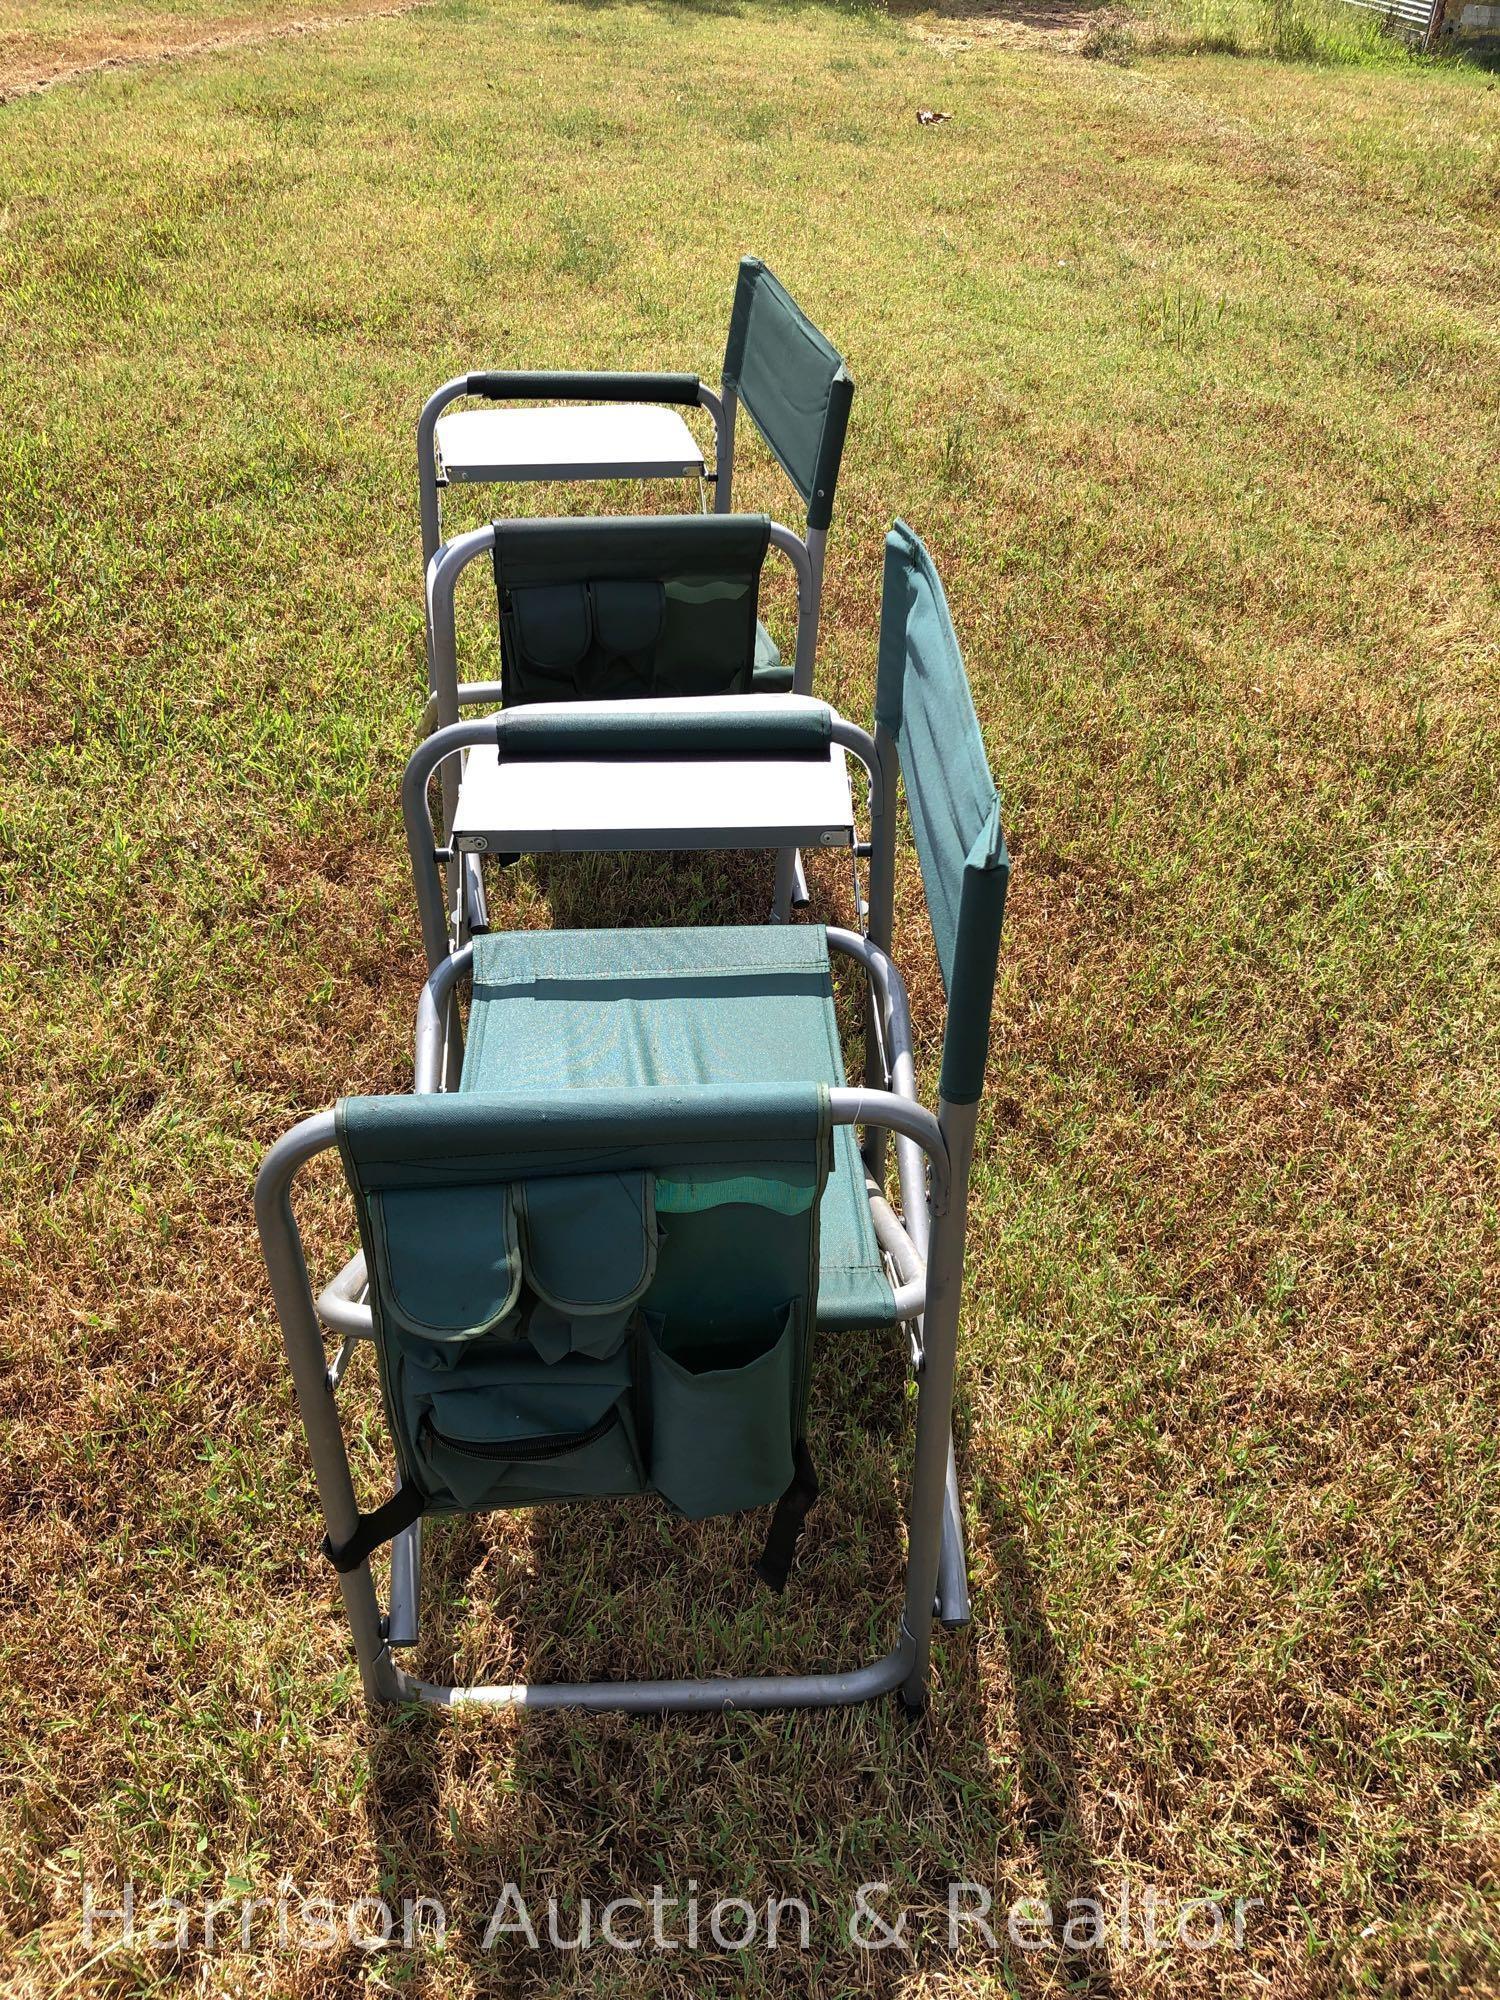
(929, 1290)
(614, 386)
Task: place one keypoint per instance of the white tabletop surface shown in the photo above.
(571, 441)
(617, 803)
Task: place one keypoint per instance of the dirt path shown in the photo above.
(26, 70)
(1064, 26)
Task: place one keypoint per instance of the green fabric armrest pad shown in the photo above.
(499, 385)
(922, 697)
(793, 382)
(473, 1137)
(584, 548)
(522, 736)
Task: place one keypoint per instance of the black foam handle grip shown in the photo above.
(504, 385)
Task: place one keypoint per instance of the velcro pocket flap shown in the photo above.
(552, 625)
(628, 616)
(589, 1252)
(450, 1260)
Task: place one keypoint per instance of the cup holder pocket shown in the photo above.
(722, 1418)
(519, 1433)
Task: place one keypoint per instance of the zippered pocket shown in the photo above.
(514, 1432)
(520, 1451)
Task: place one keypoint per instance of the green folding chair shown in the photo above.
(601, 1236)
(790, 380)
(646, 607)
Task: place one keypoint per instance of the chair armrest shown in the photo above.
(722, 727)
(501, 385)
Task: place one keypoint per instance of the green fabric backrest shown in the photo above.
(922, 697)
(466, 1211)
(638, 605)
(794, 384)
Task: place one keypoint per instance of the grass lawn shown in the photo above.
(1188, 374)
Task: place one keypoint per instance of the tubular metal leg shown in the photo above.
(781, 904)
(945, 1250)
(287, 1270)
(953, 1562)
(473, 893)
(800, 897)
(404, 1623)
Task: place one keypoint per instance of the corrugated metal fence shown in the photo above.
(1415, 20)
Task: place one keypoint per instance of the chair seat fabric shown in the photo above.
(565, 1010)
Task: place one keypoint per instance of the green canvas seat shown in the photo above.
(571, 1010)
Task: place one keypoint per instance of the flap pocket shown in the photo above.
(552, 625)
(451, 1260)
(589, 1251)
(627, 616)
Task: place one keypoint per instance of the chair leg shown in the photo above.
(473, 895)
(786, 869)
(953, 1563)
(800, 896)
(303, 1340)
(933, 1457)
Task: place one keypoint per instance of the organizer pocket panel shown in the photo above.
(450, 1263)
(588, 1246)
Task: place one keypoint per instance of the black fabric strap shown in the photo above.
(792, 1509)
(405, 1505)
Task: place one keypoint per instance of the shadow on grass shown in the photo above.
(1052, 1809)
(576, 1810)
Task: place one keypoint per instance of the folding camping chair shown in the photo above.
(791, 381)
(539, 1336)
(590, 610)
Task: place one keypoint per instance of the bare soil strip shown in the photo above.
(23, 75)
